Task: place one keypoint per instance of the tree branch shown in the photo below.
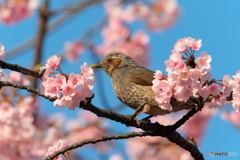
(100, 139)
(179, 123)
(27, 88)
(156, 128)
(20, 69)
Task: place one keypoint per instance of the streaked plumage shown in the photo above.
(132, 84)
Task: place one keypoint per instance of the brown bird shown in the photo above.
(132, 84)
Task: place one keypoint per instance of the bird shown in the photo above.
(132, 85)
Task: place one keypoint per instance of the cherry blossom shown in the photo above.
(53, 63)
(57, 145)
(136, 46)
(73, 49)
(69, 89)
(187, 76)
(13, 11)
(232, 117)
(203, 62)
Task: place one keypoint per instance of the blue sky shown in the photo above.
(216, 22)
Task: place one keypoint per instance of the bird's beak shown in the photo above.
(95, 65)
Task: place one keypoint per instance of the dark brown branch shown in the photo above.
(27, 88)
(100, 139)
(156, 128)
(186, 117)
(25, 71)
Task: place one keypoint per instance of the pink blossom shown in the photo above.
(135, 11)
(58, 145)
(115, 31)
(13, 11)
(236, 91)
(236, 101)
(162, 14)
(180, 66)
(182, 93)
(180, 46)
(53, 63)
(163, 93)
(232, 117)
(60, 81)
(135, 46)
(158, 75)
(196, 44)
(204, 91)
(68, 90)
(87, 77)
(203, 62)
(205, 75)
(176, 56)
(50, 87)
(16, 77)
(214, 89)
(184, 75)
(192, 43)
(7, 111)
(73, 49)
(194, 74)
(73, 80)
(227, 85)
(170, 65)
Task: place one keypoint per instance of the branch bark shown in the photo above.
(17, 68)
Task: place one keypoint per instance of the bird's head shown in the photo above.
(114, 61)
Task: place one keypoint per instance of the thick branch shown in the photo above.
(25, 71)
(156, 128)
(27, 88)
(100, 139)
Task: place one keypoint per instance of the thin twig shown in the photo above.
(100, 139)
(27, 88)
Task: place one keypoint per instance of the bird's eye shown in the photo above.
(109, 60)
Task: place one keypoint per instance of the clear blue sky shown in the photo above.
(216, 22)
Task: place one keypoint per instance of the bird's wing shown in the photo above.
(141, 76)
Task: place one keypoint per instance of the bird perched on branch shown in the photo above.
(132, 84)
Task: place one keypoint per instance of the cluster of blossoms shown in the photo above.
(69, 89)
(135, 46)
(12, 11)
(22, 137)
(188, 77)
(159, 15)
